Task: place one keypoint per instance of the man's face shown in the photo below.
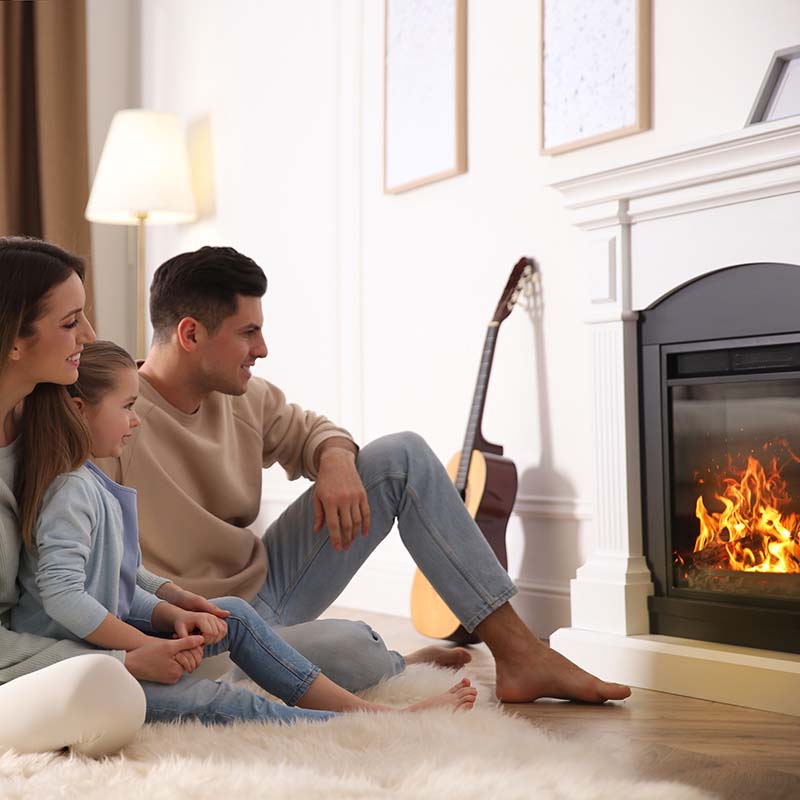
(227, 356)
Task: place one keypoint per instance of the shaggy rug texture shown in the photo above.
(481, 754)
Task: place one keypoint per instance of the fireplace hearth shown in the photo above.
(720, 410)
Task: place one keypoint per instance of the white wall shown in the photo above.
(378, 304)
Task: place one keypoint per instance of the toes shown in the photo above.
(460, 685)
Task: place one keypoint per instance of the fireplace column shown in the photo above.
(609, 593)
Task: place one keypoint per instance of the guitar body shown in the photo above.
(489, 497)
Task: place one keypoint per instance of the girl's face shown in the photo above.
(113, 418)
(52, 354)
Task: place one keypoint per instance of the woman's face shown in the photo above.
(52, 354)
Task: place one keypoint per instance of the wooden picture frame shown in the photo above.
(425, 92)
(779, 93)
(595, 72)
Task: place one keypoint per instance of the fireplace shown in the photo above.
(720, 409)
(669, 227)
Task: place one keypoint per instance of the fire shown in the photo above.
(751, 534)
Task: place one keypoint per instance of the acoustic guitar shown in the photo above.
(485, 479)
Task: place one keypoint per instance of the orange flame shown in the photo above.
(756, 536)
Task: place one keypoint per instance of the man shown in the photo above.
(208, 428)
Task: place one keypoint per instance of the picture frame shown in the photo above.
(595, 72)
(779, 93)
(425, 92)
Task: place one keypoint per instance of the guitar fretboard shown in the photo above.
(478, 402)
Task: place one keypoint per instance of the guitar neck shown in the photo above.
(478, 403)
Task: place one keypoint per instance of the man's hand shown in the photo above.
(189, 601)
(340, 499)
(164, 660)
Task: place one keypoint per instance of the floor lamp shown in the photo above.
(143, 178)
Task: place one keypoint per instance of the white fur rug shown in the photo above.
(480, 754)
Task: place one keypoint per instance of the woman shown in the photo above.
(54, 694)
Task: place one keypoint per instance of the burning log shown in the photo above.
(758, 584)
(714, 555)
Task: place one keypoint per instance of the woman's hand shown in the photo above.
(189, 601)
(164, 660)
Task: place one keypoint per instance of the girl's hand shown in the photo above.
(189, 601)
(190, 659)
(212, 628)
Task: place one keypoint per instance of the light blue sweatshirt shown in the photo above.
(71, 580)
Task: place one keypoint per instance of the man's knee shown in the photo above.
(348, 652)
(394, 451)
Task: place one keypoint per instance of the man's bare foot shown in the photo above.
(450, 657)
(460, 697)
(544, 672)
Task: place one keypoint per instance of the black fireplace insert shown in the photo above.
(720, 412)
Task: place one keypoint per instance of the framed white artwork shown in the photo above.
(595, 71)
(425, 92)
(779, 95)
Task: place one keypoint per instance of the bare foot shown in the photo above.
(544, 672)
(460, 697)
(450, 657)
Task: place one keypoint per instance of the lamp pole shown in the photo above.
(141, 217)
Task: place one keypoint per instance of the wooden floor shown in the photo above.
(736, 753)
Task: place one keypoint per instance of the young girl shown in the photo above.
(78, 581)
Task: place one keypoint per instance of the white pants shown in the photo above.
(90, 704)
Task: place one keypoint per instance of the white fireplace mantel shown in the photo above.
(647, 228)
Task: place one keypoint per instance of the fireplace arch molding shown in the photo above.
(714, 353)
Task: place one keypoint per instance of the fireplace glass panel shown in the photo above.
(735, 486)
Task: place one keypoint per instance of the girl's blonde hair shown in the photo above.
(100, 363)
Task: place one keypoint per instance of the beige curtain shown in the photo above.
(44, 161)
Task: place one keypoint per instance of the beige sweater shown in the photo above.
(199, 481)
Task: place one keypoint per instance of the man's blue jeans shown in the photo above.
(263, 655)
(404, 481)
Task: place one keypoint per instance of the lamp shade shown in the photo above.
(143, 170)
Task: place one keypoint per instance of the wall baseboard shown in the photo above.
(526, 505)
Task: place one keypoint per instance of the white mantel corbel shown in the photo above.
(732, 200)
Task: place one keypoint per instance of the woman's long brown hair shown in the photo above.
(53, 438)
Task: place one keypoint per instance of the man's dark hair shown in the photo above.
(203, 285)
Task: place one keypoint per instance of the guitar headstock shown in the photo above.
(520, 280)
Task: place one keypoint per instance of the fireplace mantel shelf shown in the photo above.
(769, 146)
